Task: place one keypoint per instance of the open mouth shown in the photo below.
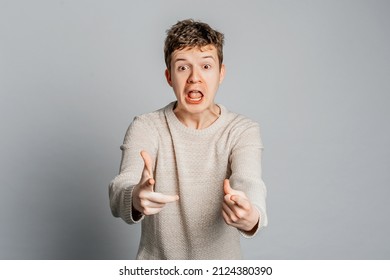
(194, 97)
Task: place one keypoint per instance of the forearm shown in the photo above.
(138, 137)
(246, 175)
(121, 195)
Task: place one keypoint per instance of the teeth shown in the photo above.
(195, 95)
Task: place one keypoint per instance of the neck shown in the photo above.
(198, 120)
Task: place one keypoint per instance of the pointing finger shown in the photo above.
(229, 216)
(151, 204)
(162, 198)
(240, 201)
(228, 200)
(227, 209)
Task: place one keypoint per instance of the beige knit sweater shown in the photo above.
(192, 164)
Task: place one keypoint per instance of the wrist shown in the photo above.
(135, 203)
(253, 221)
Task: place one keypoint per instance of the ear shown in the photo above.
(168, 77)
(222, 73)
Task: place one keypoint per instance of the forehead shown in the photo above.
(195, 52)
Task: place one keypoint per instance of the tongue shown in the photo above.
(195, 94)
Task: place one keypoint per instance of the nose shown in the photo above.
(194, 76)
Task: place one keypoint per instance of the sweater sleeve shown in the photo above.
(246, 176)
(139, 136)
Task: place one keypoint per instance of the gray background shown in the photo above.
(315, 74)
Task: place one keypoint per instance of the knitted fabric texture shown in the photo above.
(192, 164)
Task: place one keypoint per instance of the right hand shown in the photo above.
(145, 199)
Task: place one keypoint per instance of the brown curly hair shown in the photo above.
(190, 33)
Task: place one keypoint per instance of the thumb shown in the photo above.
(148, 184)
(226, 187)
(147, 172)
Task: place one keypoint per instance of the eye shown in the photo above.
(182, 67)
(207, 66)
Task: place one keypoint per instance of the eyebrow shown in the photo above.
(179, 59)
(203, 57)
(209, 56)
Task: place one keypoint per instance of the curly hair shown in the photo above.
(190, 33)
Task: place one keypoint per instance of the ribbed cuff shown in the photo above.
(260, 224)
(130, 215)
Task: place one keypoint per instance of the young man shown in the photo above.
(191, 171)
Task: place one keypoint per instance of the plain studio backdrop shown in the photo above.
(314, 74)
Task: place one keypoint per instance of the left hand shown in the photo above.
(237, 210)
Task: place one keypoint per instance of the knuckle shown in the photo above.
(227, 220)
(242, 214)
(248, 207)
(239, 216)
(142, 195)
(233, 218)
(144, 203)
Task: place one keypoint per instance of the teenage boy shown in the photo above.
(191, 171)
